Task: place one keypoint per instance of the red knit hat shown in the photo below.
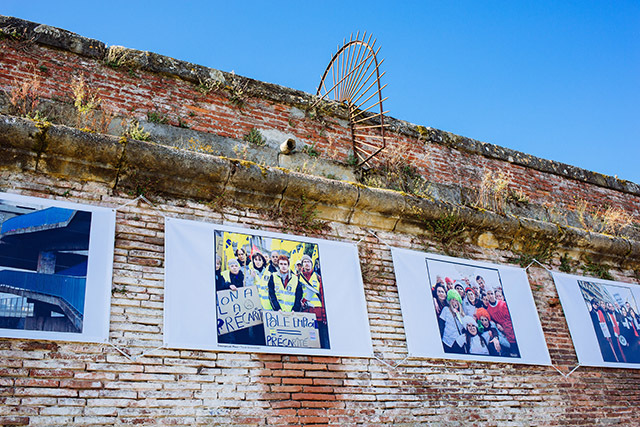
(482, 312)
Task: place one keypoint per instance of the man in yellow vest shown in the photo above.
(285, 293)
(313, 298)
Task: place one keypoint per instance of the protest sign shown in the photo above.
(282, 329)
(238, 309)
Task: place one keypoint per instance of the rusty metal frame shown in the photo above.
(349, 66)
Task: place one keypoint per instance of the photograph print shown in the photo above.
(43, 267)
(472, 309)
(269, 292)
(615, 320)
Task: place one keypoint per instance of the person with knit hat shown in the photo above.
(491, 335)
(453, 337)
(448, 282)
(475, 343)
(458, 287)
(500, 314)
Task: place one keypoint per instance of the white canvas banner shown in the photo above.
(455, 308)
(603, 320)
(56, 263)
(236, 289)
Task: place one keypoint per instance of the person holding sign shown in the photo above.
(258, 275)
(285, 294)
(233, 277)
(313, 298)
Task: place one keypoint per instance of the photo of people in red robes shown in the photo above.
(615, 320)
(471, 308)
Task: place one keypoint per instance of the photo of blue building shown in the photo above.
(43, 267)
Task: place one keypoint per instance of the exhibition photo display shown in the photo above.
(603, 319)
(55, 269)
(455, 308)
(269, 292)
(237, 289)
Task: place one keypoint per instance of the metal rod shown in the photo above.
(364, 135)
(371, 126)
(375, 70)
(361, 71)
(341, 68)
(370, 107)
(369, 144)
(336, 75)
(371, 117)
(355, 75)
(350, 52)
(370, 96)
(355, 60)
(332, 88)
(355, 87)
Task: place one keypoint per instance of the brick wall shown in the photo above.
(130, 91)
(61, 383)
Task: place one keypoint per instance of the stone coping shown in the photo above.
(131, 165)
(152, 62)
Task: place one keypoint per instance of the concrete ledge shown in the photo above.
(137, 166)
(52, 36)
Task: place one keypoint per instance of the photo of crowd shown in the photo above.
(615, 320)
(285, 273)
(471, 309)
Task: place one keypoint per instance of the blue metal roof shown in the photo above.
(45, 219)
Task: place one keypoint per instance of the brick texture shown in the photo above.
(44, 383)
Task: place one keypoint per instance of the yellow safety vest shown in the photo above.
(286, 296)
(311, 290)
(262, 283)
(227, 276)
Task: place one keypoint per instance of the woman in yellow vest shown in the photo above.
(233, 278)
(285, 294)
(313, 298)
(258, 274)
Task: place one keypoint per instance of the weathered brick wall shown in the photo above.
(145, 82)
(61, 383)
(58, 383)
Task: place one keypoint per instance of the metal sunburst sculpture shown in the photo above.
(348, 79)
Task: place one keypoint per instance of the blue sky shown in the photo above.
(556, 79)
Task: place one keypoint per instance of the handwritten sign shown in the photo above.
(238, 309)
(282, 329)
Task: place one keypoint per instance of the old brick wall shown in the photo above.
(62, 383)
(137, 83)
(58, 383)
